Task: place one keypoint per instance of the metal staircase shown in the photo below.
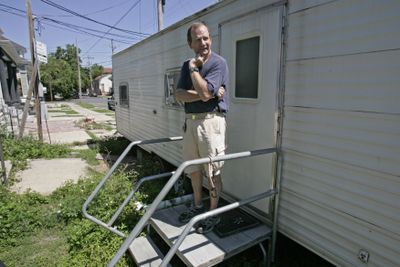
(192, 248)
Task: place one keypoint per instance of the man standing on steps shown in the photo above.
(203, 87)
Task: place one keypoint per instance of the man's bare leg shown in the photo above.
(197, 184)
(214, 198)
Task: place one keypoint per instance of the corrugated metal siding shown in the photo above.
(341, 135)
(334, 235)
(349, 82)
(344, 27)
(367, 140)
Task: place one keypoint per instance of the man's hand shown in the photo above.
(221, 93)
(196, 62)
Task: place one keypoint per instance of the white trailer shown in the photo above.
(323, 87)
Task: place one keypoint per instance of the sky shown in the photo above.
(135, 20)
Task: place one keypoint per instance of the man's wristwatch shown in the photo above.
(193, 69)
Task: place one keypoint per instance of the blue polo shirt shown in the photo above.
(215, 72)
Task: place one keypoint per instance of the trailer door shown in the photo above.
(251, 45)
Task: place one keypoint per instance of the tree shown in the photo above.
(60, 74)
(97, 70)
(59, 77)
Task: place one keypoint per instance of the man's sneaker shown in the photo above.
(207, 225)
(186, 216)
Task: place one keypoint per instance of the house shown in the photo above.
(103, 84)
(11, 62)
(13, 80)
(323, 90)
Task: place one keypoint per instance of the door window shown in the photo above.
(247, 66)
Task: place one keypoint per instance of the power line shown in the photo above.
(48, 2)
(123, 16)
(91, 13)
(76, 27)
(11, 12)
(13, 8)
(86, 33)
(69, 26)
(108, 8)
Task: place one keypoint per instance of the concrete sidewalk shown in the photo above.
(44, 176)
(63, 129)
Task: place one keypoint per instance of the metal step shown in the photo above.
(145, 253)
(209, 249)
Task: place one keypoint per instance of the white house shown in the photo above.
(103, 84)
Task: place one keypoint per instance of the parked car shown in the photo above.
(111, 103)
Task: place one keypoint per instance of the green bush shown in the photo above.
(20, 215)
(113, 145)
(91, 245)
(19, 150)
(70, 198)
(28, 217)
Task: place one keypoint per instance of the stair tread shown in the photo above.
(145, 252)
(208, 249)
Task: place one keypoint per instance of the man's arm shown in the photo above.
(186, 95)
(199, 83)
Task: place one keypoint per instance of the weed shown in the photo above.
(89, 155)
(64, 109)
(86, 105)
(22, 215)
(90, 124)
(19, 150)
(114, 145)
(46, 247)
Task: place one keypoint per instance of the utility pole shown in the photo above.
(90, 74)
(112, 47)
(160, 12)
(36, 81)
(28, 99)
(79, 69)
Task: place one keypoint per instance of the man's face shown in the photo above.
(201, 41)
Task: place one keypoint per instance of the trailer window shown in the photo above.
(124, 95)
(247, 65)
(171, 80)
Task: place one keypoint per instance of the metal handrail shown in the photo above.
(143, 221)
(108, 175)
(134, 190)
(205, 215)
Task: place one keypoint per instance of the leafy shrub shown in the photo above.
(88, 244)
(91, 245)
(89, 155)
(19, 150)
(72, 196)
(21, 215)
(113, 145)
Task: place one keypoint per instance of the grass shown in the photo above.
(86, 105)
(43, 248)
(93, 107)
(50, 230)
(89, 155)
(68, 116)
(63, 109)
(106, 111)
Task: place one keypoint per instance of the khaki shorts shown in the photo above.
(204, 137)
